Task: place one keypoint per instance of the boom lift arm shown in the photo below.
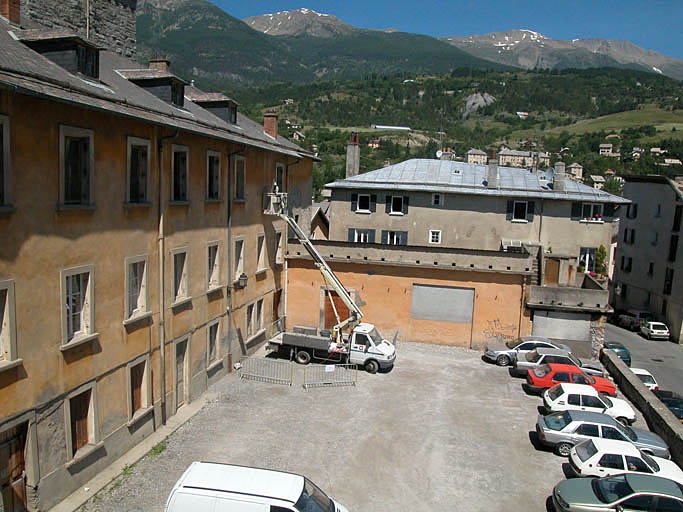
(277, 205)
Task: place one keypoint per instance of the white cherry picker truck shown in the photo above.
(363, 346)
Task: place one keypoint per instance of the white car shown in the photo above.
(605, 457)
(580, 397)
(647, 378)
(654, 330)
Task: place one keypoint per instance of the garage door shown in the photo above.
(562, 325)
(442, 303)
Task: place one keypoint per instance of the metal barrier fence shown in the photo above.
(332, 375)
(267, 370)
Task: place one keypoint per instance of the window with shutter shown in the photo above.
(213, 175)
(179, 177)
(79, 407)
(240, 178)
(137, 374)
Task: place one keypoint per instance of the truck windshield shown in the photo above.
(313, 499)
(375, 336)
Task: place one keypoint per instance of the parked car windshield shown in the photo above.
(609, 490)
(627, 431)
(586, 450)
(513, 343)
(575, 360)
(542, 370)
(555, 392)
(558, 420)
(647, 379)
(313, 499)
(650, 462)
(606, 399)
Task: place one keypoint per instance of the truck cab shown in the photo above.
(368, 348)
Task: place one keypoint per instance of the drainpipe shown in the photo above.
(228, 222)
(161, 249)
(285, 245)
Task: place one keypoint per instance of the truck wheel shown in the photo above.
(303, 357)
(371, 366)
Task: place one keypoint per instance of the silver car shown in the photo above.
(563, 430)
(503, 354)
(541, 356)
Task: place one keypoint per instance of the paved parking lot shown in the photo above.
(442, 431)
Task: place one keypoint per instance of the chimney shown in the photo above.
(11, 10)
(559, 177)
(270, 124)
(160, 64)
(492, 174)
(353, 156)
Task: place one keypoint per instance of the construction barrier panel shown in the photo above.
(267, 370)
(333, 375)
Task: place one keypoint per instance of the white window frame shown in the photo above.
(238, 258)
(6, 162)
(391, 207)
(137, 141)
(182, 294)
(261, 253)
(514, 209)
(363, 210)
(213, 273)
(177, 148)
(393, 238)
(8, 328)
(592, 218)
(93, 423)
(146, 391)
(279, 259)
(87, 331)
(212, 362)
(433, 232)
(72, 131)
(243, 170)
(216, 154)
(250, 320)
(361, 236)
(142, 309)
(440, 197)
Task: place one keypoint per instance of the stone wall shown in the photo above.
(598, 321)
(108, 23)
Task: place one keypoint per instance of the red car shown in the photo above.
(547, 375)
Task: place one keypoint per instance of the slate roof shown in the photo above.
(27, 72)
(475, 151)
(192, 93)
(428, 175)
(33, 35)
(148, 74)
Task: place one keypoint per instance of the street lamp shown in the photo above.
(242, 280)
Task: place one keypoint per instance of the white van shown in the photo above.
(214, 487)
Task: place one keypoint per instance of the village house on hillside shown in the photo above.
(136, 262)
(476, 156)
(516, 158)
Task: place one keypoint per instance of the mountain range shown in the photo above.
(220, 51)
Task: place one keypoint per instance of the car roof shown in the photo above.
(243, 480)
(564, 368)
(364, 327)
(614, 446)
(650, 483)
(552, 351)
(614, 344)
(593, 417)
(640, 371)
(583, 389)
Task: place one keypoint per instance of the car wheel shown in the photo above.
(371, 366)
(503, 360)
(303, 357)
(623, 420)
(563, 449)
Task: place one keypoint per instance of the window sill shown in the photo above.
(520, 221)
(239, 201)
(215, 200)
(179, 203)
(363, 211)
(397, 214)
(81, 340)
(212, 366)
(181, 302)
(214, 289)
(261, 271)
(139, 414)
(63, 207)
(137, 318)
(137, 204)
(254, 336)
(8, 365)
(84, 452)
(7, 208)
(589, 221)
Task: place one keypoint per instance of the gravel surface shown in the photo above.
(442, 431)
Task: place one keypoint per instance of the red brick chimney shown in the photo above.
(11, 9)
(160, 64)
(270, 124)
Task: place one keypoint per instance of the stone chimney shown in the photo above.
(11, 9)
(270, 124)
(160, 64)
(492, 174)
(353, 156)
(559, 177)
(447, 154)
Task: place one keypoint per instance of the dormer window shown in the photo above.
(233, 114)
(88, 61)
(178, 94)
(70, 51)
(218, 104)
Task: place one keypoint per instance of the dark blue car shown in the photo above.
(621, 351)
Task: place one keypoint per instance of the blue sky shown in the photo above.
(651, 24)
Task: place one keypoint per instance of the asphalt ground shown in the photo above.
(442, 431)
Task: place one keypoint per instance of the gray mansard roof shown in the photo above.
(425, 175)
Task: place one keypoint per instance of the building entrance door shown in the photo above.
(13, 469)
(180, 355)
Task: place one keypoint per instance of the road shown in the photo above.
(662, 359)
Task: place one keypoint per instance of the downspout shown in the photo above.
(228, 222)
(285, 245)
(162, 294)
